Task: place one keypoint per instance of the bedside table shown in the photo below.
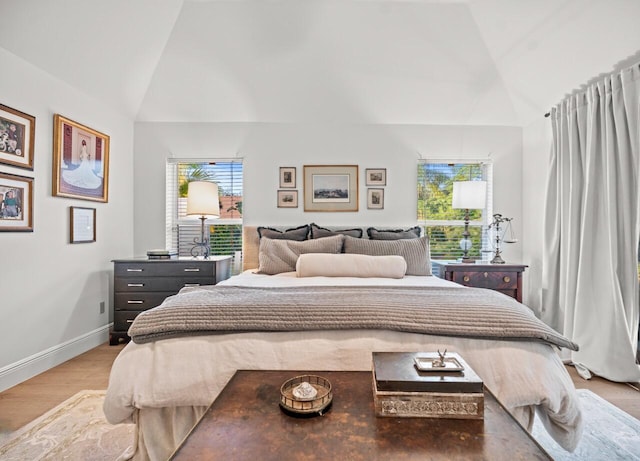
(140, 284)
(506, 278)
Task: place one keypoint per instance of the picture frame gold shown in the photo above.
(287, 199)
(80, 161)
(82, 224)
(17, 137)
(330, 188)
(16, 203)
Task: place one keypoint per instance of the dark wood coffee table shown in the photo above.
(246, 422)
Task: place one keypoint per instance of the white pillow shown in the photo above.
(350, 265)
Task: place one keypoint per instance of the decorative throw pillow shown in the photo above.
(279, 255)
(350, 265)
(296, 233)
(414, 251)
(393, 234)
(320, 232)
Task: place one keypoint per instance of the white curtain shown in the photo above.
(590, 278)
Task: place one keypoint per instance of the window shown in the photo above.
(225, 234)
(443, 224)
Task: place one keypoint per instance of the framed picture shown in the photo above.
(80, 161)
(375, 176)
(375, 199)
(331, 188)
(83, 225)
(287, 177)
(287, 199)
(16, 203)
(17, 136)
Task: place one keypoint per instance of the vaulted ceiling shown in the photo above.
(493, 62)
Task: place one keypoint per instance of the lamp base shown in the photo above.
(467, 260)
(497, 259)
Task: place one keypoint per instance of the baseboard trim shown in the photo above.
(20, 371)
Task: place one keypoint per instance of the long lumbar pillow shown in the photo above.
(350, 265)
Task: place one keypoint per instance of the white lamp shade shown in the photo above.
(202, 199)
(470, 195)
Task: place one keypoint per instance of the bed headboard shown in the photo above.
(251, 241)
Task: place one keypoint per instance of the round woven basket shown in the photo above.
(305, 407)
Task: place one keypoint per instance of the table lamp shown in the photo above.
(202, 201)
(468, 195)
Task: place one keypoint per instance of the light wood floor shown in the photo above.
(26, 401)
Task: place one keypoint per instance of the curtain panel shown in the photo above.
(592, 228)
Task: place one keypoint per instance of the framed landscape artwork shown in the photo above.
(376, 177)
(16, 203)
(331, 188)
(287, 199)
(80, 161)
(17, 136)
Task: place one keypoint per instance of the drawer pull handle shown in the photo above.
(506, 279)
(129, 321)
(135, 284)
(465, 278)
(133, 301)
(192, 270)
(191, 284)
(486, 274)
(135, 270)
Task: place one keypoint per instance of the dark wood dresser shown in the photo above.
(140, 284)
(506, 278)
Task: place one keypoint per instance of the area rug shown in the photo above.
(74, 430)
(609, 433)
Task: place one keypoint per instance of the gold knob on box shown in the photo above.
(506, 279)
(465, 278)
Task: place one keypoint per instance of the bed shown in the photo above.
(330, 313)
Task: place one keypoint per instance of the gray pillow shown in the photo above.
(414, 251)
(279, 255)
(296, 233)
(318, 232)
(393, 234)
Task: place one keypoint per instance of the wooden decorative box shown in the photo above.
(400, 389)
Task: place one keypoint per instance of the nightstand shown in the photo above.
(140, 284)
(506, 278)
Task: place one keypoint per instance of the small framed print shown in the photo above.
(16, 203)
(375, 176)
(375, 199)
(287, 199)
(80, 161)
(83, 225)
(17, 136)
(287, 177)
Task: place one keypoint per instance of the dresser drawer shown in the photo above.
(138, 301)
(165, 269)
(145, 284)
(122, 320)
(502, 280)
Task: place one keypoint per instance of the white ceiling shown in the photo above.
(493, 62)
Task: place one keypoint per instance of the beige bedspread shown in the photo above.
(165, 385)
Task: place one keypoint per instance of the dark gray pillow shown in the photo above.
(393, 234)
(296, 233)
(414, 251)
(318, 232)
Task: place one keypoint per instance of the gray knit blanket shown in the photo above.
(445, 311)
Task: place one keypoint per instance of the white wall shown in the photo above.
(266, 147)
(50, 290)
(536, 146)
